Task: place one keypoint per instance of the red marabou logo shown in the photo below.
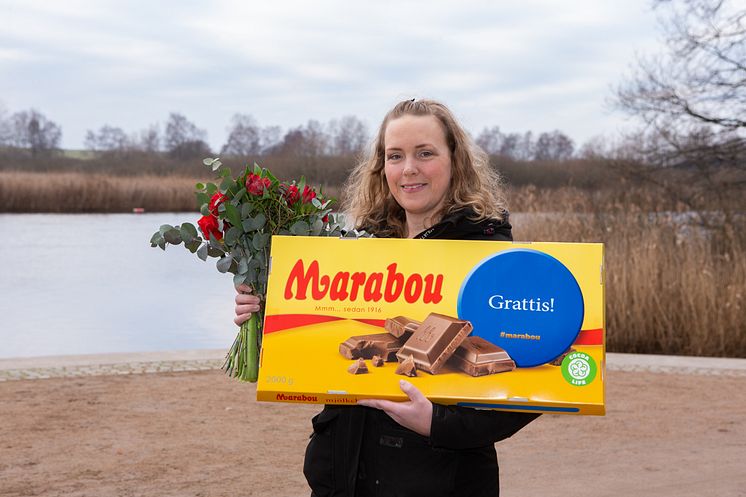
(345, 285)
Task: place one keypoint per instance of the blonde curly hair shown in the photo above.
(474, 184)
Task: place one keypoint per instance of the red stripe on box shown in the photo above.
(590, 337)
(373, 322)
(286, 321)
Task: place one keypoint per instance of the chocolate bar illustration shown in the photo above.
(478, 357)
(366, 346)
(401, 326)
(434, 341)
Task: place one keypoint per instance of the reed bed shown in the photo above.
(672, 286)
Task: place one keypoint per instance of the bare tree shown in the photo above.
(6, 129)
(554, 146)
(32, 130)
(107, 139)
(183, 140)
(692, 101)
(348, 136)
(490, 140)
(149, 139)
(244, 137)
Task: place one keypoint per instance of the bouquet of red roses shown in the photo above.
(239, 217)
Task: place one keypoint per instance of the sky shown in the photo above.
(535, 65)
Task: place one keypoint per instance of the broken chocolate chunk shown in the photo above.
(358, 367)
(407, 367)
(377, 361)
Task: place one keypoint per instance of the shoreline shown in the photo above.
(74, 366)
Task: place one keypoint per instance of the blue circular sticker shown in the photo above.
(526, 302)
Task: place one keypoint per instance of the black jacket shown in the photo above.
(362, 452)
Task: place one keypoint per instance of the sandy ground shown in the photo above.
(201, 434)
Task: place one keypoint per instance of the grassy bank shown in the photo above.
(673, 287)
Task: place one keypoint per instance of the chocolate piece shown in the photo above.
(407, 367)
(435, 340)
(401, 326)
(478, 357)
(366, 346)
(377, 361)
(558, 361)
(358, 367)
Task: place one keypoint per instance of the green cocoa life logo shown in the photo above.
(579, 369)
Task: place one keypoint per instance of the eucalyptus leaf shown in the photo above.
(202, 252)
(202, 198)
(211, 188)
(316, 203)
(225, 173)
(192, 245)
(205, 210)
(238, 196)
(199, 186)
(172, 236)
(239, 279)
(243, 266)
(226, 184)
(246, 210)
(190, 228)
(232, 213)
(259, 240)
(232, 235)
(299, 228)
(216, 164)
(165, 227)
(318, 225)
(223, 264)
(208, 161)
(154, 239)
(214, 252)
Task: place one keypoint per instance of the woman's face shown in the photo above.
(417, 165)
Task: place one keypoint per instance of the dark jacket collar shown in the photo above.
(460, 225)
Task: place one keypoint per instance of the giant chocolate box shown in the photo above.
(492, 325)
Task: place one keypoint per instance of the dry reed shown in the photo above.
(671, 287)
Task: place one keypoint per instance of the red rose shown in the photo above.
(215, 201)
(308, 194)
(325, 219)
(256, 185)
(291, 194)
(209, 224)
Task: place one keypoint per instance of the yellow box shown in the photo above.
(532, 299)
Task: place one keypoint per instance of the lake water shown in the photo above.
(91, 283)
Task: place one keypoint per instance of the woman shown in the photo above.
(424, 178)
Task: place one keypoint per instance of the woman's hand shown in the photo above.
(246, 304)
(415, 414)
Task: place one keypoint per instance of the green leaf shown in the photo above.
(214, 252)
(172, 236)
(243, 266)
(202, 198)
(202, 252)
(223, 264)
(216, 164)
(154, 239)
(239, 279)
(204, 210)
(208, 161)
(317, 203)
(237, 196)
(232, 214)
(224, 173)
(188, 232)
(246, 210)
(254, 223)
(259, 241)
(226, 184)
(231, 236)
(192, 245)
(199, 186)
(211, 188)
(318, 225)
(165, 227)
(299, 228)
(257, 169)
